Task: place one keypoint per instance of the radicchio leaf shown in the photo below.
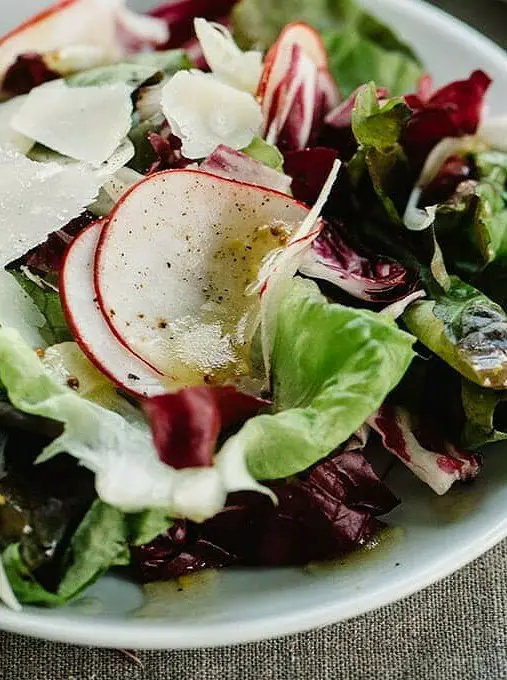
(329, 512)
(28, 71)
(453, 111)
(227, 162)
(364, 276)
(179, 17)
(186, 424)
(48, 257)
(167, 149)
(309, 169)
(424, 450)
(337, 132)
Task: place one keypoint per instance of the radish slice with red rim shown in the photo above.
(89, 327)
(174, 264)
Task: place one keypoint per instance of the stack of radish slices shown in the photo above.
(157, 294)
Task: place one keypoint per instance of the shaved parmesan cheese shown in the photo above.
(204, 113)
(120, 157)
(85, 123)
(18, 310)
(9, 138)
(240, 69)
(37, 199)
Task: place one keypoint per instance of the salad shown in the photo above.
(245, 247)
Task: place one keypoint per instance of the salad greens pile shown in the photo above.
(239, 252)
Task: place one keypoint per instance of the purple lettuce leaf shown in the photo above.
(367, 277)
(330, 511)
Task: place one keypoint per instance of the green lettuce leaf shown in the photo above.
(485, 413)
(471, 227)
(380, 155)
(360, 47)
(265, 153)
(332, 367)
(119, 450)
(26, 589)
(466, 329)
(47, 300)
(100, 542)
(167, 62)
(355, 59)
(146, 526)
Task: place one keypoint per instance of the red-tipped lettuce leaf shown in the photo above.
(453, 111)
(329, 512)
(227, 162)
(186, 424)
(424, 449)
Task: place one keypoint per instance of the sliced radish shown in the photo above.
(89, 327)
(106, 24)
(174, 264)
(296, 88)
(69, 22)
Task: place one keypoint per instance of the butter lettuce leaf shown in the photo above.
(128, 472)
(465, 329)
(332, 368)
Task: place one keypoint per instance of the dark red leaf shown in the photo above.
(167, 148)
(309, 169)
(186, 424)
(455, 170)
(180, 17)
(453, 111)
(329, 512)
(48, 257)
(28, 71)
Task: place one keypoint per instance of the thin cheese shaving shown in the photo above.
(242, 70)
(9, 138)
(86, 123)
(37, 199)
(204, 113)
(18, 310)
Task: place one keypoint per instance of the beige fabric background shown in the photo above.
(455, 630)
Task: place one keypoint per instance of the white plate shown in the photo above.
(436, 536)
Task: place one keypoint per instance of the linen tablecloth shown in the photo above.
(455, 630)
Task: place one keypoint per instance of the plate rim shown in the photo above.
(162, 634)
